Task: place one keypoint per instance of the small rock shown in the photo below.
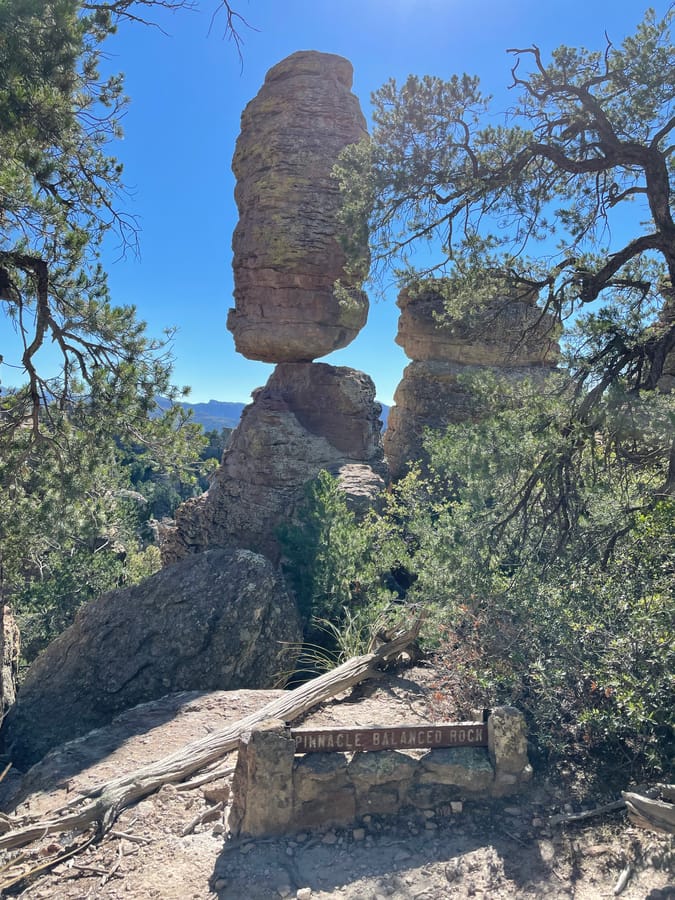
(304, 893)
(218, 829)
(429, 813)
(456, 806)
(289, 851)
(219, 884)
(452, 871)
(145, 808)
(167, 791)
(537, 822)
(301, 838)
(329, 838)
(359, 834)
(430, 826)
(216, 792)
(512, 810)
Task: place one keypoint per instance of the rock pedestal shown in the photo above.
(511, 337)
(287, 254)
(309, 417)
(287, 257)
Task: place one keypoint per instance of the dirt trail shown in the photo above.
(158, 849)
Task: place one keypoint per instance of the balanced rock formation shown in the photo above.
(220, 620)
(287, 255)
(309, 417)
(511, 336)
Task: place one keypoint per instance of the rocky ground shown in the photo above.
(174, 845)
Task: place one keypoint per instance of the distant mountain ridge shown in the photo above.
(217, 414)
(214, 415)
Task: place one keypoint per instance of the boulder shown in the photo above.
(309, 417)
(287, 253)
(219, 620)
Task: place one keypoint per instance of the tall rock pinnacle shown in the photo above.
(512, 337)
(287, 256)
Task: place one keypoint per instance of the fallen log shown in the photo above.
(101, 805)
(645, 809)
(654, 815)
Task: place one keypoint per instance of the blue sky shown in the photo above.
(188, 89)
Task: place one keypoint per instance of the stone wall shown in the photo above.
(276, 791)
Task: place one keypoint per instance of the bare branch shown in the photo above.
(593, 284)
(661, 133)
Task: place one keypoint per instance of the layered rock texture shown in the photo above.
(511, 337)
(287, 255)
(220, 620)
(308, 417)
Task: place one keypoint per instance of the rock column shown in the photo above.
(511, 337)
(287, 254)
(287, 260)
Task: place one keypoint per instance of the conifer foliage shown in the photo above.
(79, 373)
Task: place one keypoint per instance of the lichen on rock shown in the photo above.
(219, 620)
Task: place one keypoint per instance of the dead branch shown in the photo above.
(623, 879)
(206, 815)
(565, 818)
(101, 806)
(644, 809)
(654, 815)
(45, 866)
(212, 775)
